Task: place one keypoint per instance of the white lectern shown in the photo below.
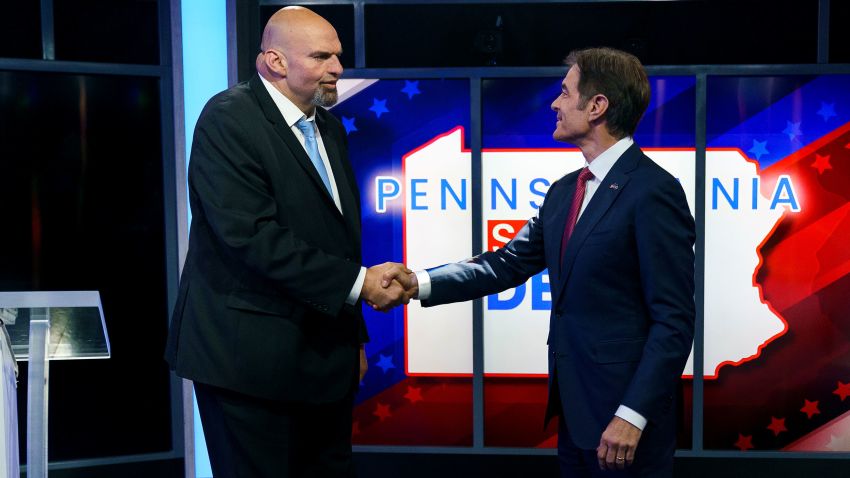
(42, 326)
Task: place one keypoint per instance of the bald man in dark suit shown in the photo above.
(268, 322)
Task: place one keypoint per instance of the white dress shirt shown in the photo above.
(600, 167)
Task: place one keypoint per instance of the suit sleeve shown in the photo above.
(232, 188)
(492, 271)
(664, 231)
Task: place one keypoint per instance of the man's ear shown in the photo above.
(275, 62)
(598, 107)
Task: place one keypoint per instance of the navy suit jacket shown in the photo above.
(261, 306)
(622, 318)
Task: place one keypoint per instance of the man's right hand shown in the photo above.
(382, 294)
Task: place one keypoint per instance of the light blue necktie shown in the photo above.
(312, 147)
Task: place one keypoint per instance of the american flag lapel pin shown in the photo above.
(614, 186)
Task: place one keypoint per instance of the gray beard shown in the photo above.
(324, 98)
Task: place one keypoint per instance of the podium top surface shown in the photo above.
(77, 327)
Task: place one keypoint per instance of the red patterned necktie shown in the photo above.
(583, 177)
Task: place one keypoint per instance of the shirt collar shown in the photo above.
(291, 113)
(605, 161)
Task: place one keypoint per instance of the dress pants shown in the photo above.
(257, 438)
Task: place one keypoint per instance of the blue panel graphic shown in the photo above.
(773, 117)
(518, 114)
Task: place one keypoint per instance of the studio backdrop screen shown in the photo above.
(777, 263)
(408, 141)
(776, 290)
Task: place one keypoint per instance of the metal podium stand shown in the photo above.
(43, 326)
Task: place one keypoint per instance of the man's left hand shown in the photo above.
(617, 446)
(364, 364)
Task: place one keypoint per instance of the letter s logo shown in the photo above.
(498, 237)
(502, 231)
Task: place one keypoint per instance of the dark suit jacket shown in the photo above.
(622, 316)
(261, 306)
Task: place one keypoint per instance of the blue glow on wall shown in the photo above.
(204, 30)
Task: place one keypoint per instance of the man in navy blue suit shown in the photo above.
(617, 237)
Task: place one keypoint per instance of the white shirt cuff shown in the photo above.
(424, 280)
(631, 416)
(358, 287)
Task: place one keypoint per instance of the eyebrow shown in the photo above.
(322, 53)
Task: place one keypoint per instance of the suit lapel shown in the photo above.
(345, 188)
(562, 209)
(297, 151)
(604, 197)
(554, 228)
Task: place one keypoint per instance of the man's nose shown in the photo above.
(335, 66)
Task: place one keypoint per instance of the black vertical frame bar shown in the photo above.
(247, 38)
(231, 20)
(359, 34)
(475, 127)
(823, 31)
(181, 390)
(170, 177)
(48, 47)
(699, 266)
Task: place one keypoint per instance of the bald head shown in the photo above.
(300, 57)
(289, 24)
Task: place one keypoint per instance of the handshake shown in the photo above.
(388, 285)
